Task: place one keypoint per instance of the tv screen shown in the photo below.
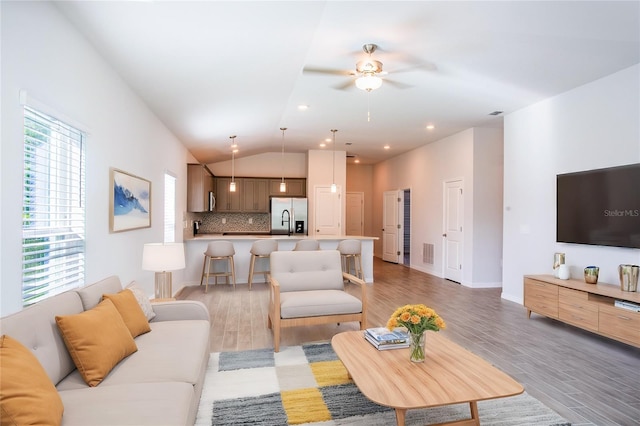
(600, 207)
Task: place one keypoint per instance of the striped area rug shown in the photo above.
(308, 385)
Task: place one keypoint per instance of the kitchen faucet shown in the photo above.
(288, 221)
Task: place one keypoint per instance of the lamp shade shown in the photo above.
(163, 257)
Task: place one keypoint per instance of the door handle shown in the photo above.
(444, 235)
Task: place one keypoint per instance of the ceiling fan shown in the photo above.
(368, 72)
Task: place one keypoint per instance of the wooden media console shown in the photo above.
(588, 306)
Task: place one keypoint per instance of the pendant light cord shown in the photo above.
(334, 156)
(282, 155)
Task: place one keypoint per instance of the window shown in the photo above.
(169, 208)
(53, 212)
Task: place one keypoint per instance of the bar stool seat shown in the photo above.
(350, 250)
(218, 250)
(261, 249)
(307, 245)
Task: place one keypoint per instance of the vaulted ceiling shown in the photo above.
(212, 69)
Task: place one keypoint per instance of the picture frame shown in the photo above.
(129, 201)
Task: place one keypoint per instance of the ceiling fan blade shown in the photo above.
(346, 85)
(328, 71)
(397, 84)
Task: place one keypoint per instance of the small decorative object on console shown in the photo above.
(416, 319)
(563, 272)
(628, 277)
(591, 274)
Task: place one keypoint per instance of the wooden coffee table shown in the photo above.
(449, 375)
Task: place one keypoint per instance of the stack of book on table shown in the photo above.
(382, 338)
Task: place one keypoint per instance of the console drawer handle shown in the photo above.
(623, 318)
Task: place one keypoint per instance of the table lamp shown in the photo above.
(162, 258)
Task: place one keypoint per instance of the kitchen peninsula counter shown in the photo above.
(196, 246)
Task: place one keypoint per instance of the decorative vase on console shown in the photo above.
(591, 274)
(628, 277)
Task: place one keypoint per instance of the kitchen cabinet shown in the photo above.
(296, 187)
(227, 201)
(199, 188)
(255, 197)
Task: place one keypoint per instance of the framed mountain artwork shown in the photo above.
(130, 202)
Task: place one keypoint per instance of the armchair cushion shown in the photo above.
(313, 303)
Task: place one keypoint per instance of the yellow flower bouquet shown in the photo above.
(416, 319)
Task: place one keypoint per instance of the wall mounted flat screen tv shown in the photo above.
(599, 207)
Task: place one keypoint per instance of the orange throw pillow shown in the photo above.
(27, 395)
(129, 308)
(97, 340)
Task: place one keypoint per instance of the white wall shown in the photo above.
(44, 55)
(424, 171)
(487, 189)
(593, 126)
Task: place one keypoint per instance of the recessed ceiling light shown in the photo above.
(322, 145)
(387, 147)
(235, 150)
(303, 107)
(356, 161)
(430, 127)
(327, 140)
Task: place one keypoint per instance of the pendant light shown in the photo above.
(232, 185)
(334, 187)
(283, 186)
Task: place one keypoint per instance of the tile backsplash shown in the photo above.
(212, 223)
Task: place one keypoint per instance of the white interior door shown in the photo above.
(327, 210)
(355, 213)
(453, 235)
(390, 226)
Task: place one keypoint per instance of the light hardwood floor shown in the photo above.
(586, 378)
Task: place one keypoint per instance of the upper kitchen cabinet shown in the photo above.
(199, 188)
(227, 201)
(255, 197)
(295, 188)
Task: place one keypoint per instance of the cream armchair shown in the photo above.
(307, 288)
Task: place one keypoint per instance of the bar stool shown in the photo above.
(351, 250)
(307, 245)
(218, 250)
(261, 249)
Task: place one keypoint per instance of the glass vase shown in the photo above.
(416, 347)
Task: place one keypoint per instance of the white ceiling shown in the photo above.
(211, 69)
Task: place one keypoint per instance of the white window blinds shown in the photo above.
(169, 208)
(53, 214)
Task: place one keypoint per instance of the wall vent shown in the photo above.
(427, 253)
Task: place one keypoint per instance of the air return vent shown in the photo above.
(427, 253)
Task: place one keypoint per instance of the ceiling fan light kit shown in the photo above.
(368, 83)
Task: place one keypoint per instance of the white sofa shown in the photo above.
(159, 384)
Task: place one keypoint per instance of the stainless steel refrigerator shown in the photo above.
(288, 216)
